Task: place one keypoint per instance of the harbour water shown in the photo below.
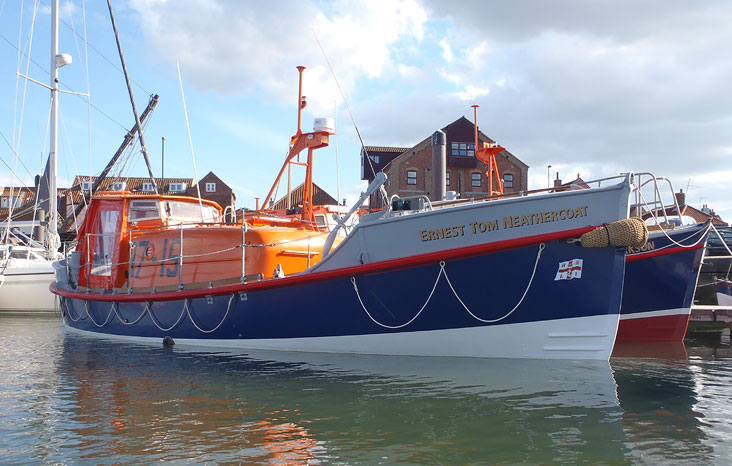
(67, 398)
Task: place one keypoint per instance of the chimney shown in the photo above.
(439, 165)
(557, 182)
(681, 198)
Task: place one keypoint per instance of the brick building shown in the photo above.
(409, 169)
(211, 188)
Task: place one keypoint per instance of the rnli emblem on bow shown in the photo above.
(569, 270)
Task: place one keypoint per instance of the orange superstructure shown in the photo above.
(136, 242)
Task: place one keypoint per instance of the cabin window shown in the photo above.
(190, 212)
(210, 187)
(411, 176)
(320, 221)
(475, 180)
(462, 149)
(143, 209)
(106, 237)
(508, 180)
(447, 178)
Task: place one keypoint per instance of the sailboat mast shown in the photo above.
(52, 188)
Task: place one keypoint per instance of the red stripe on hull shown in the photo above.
(661, 328)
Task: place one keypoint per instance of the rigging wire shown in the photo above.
(348, 108)
(45, 70)
(190, 140)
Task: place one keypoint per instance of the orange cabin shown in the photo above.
(171, 242)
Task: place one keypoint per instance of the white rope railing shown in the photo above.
(443, 272)
(114, 312)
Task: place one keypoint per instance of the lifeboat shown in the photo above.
(514, 276)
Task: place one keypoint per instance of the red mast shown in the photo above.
(487, 154)
(298, 143)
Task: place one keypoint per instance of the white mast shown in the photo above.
(57, 61)
(52, 189)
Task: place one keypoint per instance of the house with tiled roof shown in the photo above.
(211, 187)
(409, 169)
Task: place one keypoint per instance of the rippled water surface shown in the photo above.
(69, 398)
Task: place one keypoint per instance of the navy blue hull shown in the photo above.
(659, 286)
(489, 285)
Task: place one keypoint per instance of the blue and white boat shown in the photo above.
(503, 278)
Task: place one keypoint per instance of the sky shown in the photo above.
(590, 87)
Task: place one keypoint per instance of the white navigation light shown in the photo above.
(63, 59)
(326, 125)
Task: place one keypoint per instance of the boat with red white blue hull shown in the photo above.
(551, 298)
(660, 281)
(530, 275)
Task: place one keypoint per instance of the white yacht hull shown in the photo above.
(26, 289)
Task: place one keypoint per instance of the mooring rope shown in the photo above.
(440, 273)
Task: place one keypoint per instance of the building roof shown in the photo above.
(133, 184)
(320, 197)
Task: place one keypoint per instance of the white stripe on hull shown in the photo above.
(578, 338)
(662, 313)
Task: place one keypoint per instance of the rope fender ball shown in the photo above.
(168, 342)
(629, 232)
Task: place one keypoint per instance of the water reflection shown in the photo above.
(71, 398)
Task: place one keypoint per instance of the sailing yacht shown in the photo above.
(26, 270)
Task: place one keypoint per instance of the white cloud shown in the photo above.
(234, 47)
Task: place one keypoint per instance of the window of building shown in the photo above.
(463, 149)
(5, 202)
(447, 178)
(147, 187)
(411, 176)
(210, 187)
(508, 180)
(86, 185)
(374, 158)
(177, 187)
(475, 180)
(119, 186)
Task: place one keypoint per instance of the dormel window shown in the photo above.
(210, 187)
(86, 185)
(462, 149)
(475, 180)
(147, 187)
(119, 186)
(508, 180)
(177, 187)
(447, 178)
(374, 158)
(411, 176)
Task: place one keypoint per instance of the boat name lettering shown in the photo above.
(442, 233)
(514, 221)
(649, 246)
(544, 217)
